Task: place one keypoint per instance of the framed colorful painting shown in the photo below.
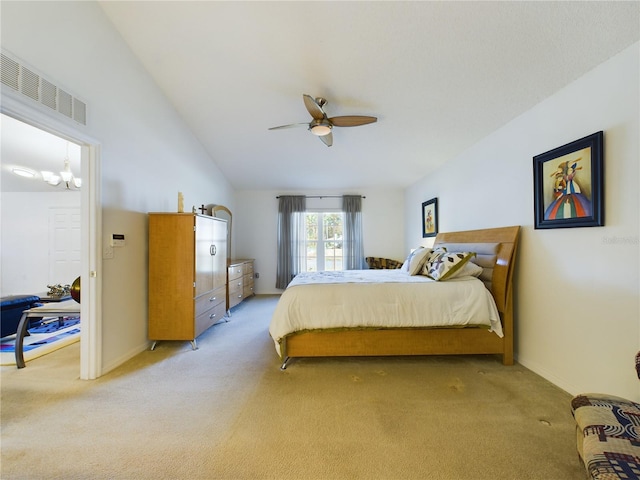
(430, 218)
(568, 184)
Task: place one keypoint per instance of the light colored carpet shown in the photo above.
(226, 411)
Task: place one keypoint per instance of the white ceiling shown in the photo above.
(439, 76)
(26, 147)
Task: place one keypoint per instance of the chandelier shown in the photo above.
(65, 175)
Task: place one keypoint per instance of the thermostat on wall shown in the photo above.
(117, 239)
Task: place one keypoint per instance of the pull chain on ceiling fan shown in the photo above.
(321, 125)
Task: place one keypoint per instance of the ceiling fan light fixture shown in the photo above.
(321, 125)
(321, 130)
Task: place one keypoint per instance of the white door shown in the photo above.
(64, 245)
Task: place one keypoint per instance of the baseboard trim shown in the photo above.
(125, 358)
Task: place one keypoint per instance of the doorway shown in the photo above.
(90, 226)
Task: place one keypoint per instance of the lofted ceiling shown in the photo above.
(439, 76)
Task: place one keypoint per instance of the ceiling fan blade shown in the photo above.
(292, 125)
(313, 108)
(327, 139)
(352, 120)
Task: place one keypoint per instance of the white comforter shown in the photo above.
(380, 299)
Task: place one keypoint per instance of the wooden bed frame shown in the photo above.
(428, 341)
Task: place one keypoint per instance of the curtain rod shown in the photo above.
(321, 196)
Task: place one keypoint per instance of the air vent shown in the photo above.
(26, 81)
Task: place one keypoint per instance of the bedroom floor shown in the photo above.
(226, 411)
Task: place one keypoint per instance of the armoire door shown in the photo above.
(204, 258)
(220, 253)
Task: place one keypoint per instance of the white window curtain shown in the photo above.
(352, 229)
(291, 237)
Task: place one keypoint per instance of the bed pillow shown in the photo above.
(469, 269)
(415, 260)
(442, 265)
(486, 256)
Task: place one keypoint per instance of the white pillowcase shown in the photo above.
(469, 269)
(415, 260)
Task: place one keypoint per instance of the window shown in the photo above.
(320, 238)
(324, 241)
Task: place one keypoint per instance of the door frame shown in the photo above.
(90, 229)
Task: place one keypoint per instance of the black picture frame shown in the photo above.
(568, 184)
(430, 218)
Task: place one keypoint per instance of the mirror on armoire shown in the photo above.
(220, 211)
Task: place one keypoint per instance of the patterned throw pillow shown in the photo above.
(414, 262)
(442, 264)
(469, 269)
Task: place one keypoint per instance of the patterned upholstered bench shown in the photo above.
(608, 431)
(382, 263)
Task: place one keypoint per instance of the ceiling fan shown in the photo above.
(321, 125)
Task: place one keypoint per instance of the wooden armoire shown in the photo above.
(187, 275)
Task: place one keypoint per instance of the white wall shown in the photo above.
(256, 217)
(25, 240)
(148, 154)
(577, 289)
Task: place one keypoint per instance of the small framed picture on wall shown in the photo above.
(430, 218)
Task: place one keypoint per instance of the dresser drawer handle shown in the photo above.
(212, 299)
(239, 296)
(213, 315)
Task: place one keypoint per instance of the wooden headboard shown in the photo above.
(507, 238)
